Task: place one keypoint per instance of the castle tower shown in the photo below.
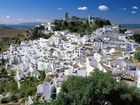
(66, 16)
(89, 18)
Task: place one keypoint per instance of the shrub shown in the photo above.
(13, 98)
(5, 100)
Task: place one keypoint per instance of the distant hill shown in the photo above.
(27, 25)
(6, 31)
(130, 26)
(134, 27)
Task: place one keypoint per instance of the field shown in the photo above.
(7, 32)
(137, 30)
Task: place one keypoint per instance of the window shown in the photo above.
(51, 83)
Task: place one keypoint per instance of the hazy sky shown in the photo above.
(117, 11)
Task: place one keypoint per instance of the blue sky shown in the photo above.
(117, 11)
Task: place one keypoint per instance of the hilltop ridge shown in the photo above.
(25, 26)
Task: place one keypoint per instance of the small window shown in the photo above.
(51, 83)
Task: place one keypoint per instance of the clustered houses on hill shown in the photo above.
(66, 54)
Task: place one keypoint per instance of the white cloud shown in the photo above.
(82, 8)
(7, 16)
(32, 17)
(135, 7)
(103, 7)
(59, 8)
(133, 12)
(20, 18)
(37, 19)
(124, 8)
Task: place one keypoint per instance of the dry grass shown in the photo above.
(5, 32)
(137, 31)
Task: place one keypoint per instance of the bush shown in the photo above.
(42, 75)
(13, 98)
(40, 103)
(28, 87)
(22, 94)
(29, 91)
(5, 100)
(98, 89)
(13, 87)
(1, 88)
(3, 71)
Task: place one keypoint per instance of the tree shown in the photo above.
(22, 94)
(37, 32)
(34, 33)
(28, 87)
(40, 103)
(58, 24)
(5, 100)
(3, 71)
(29, 91)
(137, 56)
(3, 61)
(122, 29)
(64, 25)
(41, 27)
(13, 87)
(1, 88)
(42, 75)
(13, 98)
(79, 26)
(97, 89)
(102, 22)
(136, 37)
(107, 22)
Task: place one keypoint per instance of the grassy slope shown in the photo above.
(7, 32)
(137, 31)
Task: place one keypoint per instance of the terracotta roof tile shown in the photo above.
(128, 76)
(47, 79)
(137, 63)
